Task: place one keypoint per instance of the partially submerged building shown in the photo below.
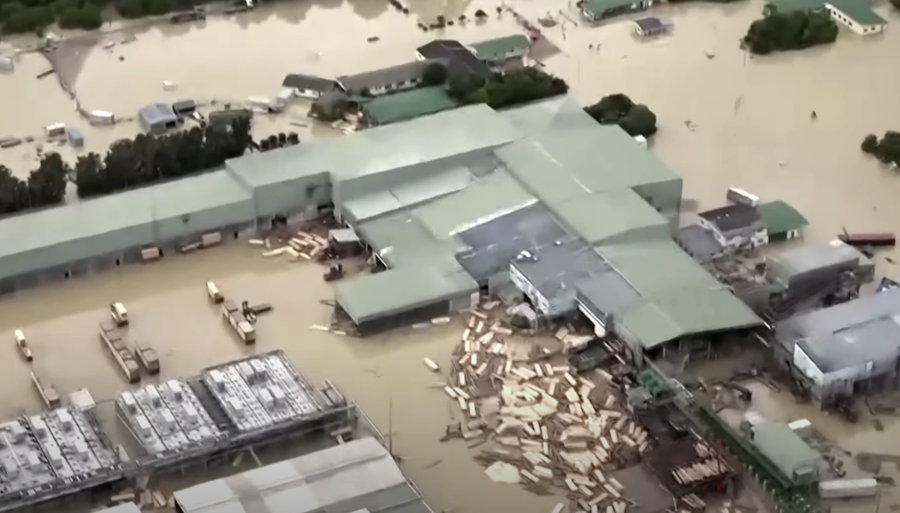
(735, 226)
(308, 86)
(455, 56)
(790, 454)
(352, 477)
(856, 15)
(503, 50)
(651, 26)
(845, 349)
(783, 222)
(406, 105)
(597, 10)
(157, 118)
(385, 80)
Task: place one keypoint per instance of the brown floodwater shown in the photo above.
(168, 308)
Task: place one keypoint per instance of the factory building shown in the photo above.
(354, 477)
(846, 349)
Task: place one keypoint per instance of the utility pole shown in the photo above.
(391, 426)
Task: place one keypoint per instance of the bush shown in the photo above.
(887, 150)
(434, 74)
(506, 90)
(87, 17)
(18, 19)
(45, 186)
(790, 31)
(870, 144)
(147, 159)
(619, 109)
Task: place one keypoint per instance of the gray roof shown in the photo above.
(814, 257)
(699, 242)
(784, 447)
(650, 24)
(385, 76)
(455, 56)
(849, 334)
(556, 269)
(343, 479)
(491, 246)
(309, 82)
(157, 114)
(732, 217)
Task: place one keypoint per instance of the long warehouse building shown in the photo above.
(359, 476)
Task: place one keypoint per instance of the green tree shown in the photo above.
(13, 192)
(506, 90)
(434, 74)
(790, 31)
(895, 3)
(47, 183)
(870, 144)
(888, 150)
(130, 8)
(619, 109)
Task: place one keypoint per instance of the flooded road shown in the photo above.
(168, 308)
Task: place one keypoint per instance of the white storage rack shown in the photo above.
(79, 443)
(160, 417)
(23, 464)
(133, 417)
(190, 414)
(258, 392)
(52, 450)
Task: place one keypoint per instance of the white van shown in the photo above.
(214, 295)
(119, 314)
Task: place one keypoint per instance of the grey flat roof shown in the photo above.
(157, 113)
(343, 479)
(385, 76)
(732, 217)
(310, 82)
(809, 258)
(556, 269)
(849, 334)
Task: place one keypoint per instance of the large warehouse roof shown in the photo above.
(605, 216)
(85, 229)
(343, 479)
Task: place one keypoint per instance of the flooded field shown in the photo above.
(168, 308)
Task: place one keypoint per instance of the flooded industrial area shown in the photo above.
(726, 120)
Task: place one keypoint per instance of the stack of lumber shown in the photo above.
(303, 246)
(559, 429)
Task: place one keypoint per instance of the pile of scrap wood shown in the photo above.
(303, 246)
(557, 428)
(709, 465)
(145, 498)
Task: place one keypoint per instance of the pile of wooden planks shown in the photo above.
(303, 246)
(559, 429)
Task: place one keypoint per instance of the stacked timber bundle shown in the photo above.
(303, 246)
(558, 429)
(708, 466)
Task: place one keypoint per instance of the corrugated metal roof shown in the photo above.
(501, 47)
(407, 105)
(783, 447)
(599, 217)
(809, 258)
(200, 193)
(309, 484)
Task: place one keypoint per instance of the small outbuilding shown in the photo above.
(651, 26)
(157, 118)
(782, 220)
(787, 451)
(502, 49)
(184, 107)
(76, 138)
(308, 86)
(597, 10)
(735, 226)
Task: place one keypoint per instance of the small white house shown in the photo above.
(736, 226)
(308, 86)
(857, 16)
(385, 80)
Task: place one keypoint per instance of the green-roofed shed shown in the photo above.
(502, 48)
(596, 10)
(782, 220)
(407, 105)
(787, 451)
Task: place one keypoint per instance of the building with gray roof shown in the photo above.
(157, 118)
(385, 80)
(846, 348)
(349, 478)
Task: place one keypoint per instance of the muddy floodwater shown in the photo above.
(168, 308)
(726, 119)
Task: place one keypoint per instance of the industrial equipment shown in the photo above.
(24, 350)
(119, 314)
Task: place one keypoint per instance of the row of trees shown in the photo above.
(147, 159)
(19, 16)
(506, 90)
(886, 149)
(45, 186)
(619, 109)
(790, 31)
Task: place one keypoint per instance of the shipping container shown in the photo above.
(848, 488)
(742, 197)
(101, 117)
(55, 130)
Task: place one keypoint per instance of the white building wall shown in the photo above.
(865, 30)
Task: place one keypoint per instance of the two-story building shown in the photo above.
(736, 226)
(386, 80)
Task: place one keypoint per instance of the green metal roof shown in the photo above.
(600, 217)
(858, 10)
(781, 218)
(408, 105)
(678, 296)
(199, 193)
(598, 8)
(425, 139)
(492, 196)
(397, 290)
(401, 240)
(498, 48)
(783, 447)
(789, 6)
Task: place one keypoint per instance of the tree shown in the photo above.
(13, 192)
(790, 31)
(47, 183)
(888, 150)
(434, 74)
(870, 144)
(619, 109)
(895, 3)
(508, 89)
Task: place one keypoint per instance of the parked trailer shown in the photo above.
(232, 314)
(119, 314)
(213, 292)
(147, 356)
(869, 239)
(22, 344)
(848, 488)
(113, 341)
(47, 392)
